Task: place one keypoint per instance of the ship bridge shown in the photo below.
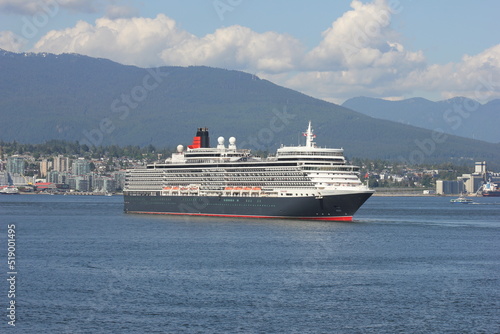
(314, 153)
(310, 151)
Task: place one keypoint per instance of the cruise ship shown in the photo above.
(298, 182)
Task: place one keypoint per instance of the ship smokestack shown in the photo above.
(202, 140)
(204, 137)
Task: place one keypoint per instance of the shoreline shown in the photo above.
(417, 195)
(414, 192)
(70, 194)
(386, 193)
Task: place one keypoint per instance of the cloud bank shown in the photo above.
(11, 42)
(134, 41)
(359, 54)
(31, 7)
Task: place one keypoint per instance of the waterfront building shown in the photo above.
(57, 177)
(472, 182)
(467, 183)
(82, 184)
(119, 178)
(16, 165)
(449, 187)
(79, 183)
(53, 176)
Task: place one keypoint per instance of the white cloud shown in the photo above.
(476, 77)
(238, 47)
(360, 53)
(158, 41)
(361, 37)
(134, 41)
(11, 42)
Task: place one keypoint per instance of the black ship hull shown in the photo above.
(333, 207)
(493, 193)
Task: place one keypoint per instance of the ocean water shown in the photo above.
(405, 265)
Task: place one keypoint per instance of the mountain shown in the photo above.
(100, 102)
(459, 116)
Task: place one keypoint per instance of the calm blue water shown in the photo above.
(405, 265)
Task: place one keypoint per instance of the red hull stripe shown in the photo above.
(343, 218)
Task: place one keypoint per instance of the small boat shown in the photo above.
(9, 190)
(462, 200)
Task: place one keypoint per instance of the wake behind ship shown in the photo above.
(301, 182)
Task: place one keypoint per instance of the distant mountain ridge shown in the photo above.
(100, 102)
(460, 116)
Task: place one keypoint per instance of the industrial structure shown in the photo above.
(468, 183)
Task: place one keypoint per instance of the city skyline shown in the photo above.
(59, 173)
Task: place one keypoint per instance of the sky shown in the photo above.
(332, 50)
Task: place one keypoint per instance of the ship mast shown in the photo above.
(310, 136)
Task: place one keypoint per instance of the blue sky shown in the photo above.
(332, 50)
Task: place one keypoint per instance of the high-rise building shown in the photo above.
(119, 177)
(82, 184)
(16, 165)
(4, 178)
(80, 167)
(79, 182)
(103, 183)
(53, 176)
(61, 163)
(45, 166)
